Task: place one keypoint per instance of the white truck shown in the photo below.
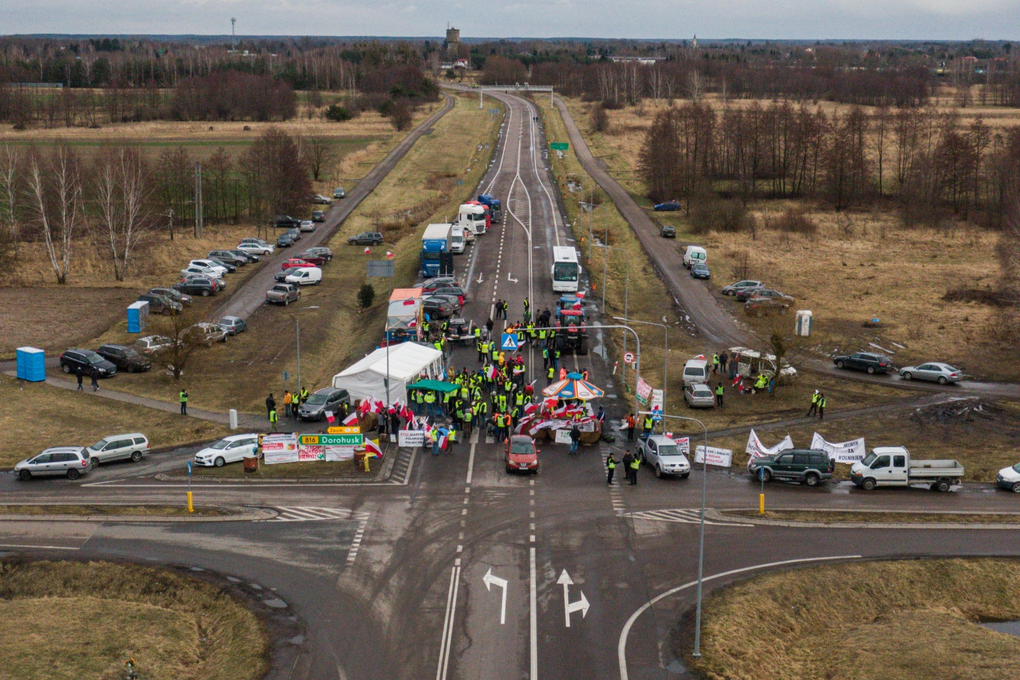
(892, 466)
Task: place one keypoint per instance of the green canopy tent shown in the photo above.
(435, 386)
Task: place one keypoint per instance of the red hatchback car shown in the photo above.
(294, 262)
(521, 454)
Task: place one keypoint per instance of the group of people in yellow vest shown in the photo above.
(631, 464)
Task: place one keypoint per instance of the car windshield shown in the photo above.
(316, 399)
(95, 359)
(521, 448)
(669, 450)
(1016, 468)
(869, 459)
(220, 445)
(98, 446)
(129, 353)
(565, 271)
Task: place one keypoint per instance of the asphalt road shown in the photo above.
(406, 579)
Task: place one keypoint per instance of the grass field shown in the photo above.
(50, 416)
(346, 469)
(897, 620)
(111, 510)
(85, 619)
(859, 265)
(421, 189)
(984, 440)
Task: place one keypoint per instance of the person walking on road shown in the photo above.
(814, 404)
(821, 407)
(649, 425)
(715, 363)
(631, 422)
(81, 374)
(270, 404)
(184, 401)
(635, 464)
(95, 380)
(719, 394)
(610, 468)
(272, 420)
(724, 359)
(627, 459)
(550, 375)
(287, 400)
(575, 439)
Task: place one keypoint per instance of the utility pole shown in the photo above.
(198, 199)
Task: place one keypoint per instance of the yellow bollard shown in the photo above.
(761, 504)
(191, 508)
(367, 469)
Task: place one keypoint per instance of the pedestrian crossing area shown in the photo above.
(680, 516)
(315, 514)
(401, 473)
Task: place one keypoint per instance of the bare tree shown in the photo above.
(56, 192)
(10, 196)
(122, 188)
(320, 153)
(182, 339)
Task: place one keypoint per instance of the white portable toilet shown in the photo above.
(803, 324)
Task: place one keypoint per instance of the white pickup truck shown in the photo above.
(892, 466)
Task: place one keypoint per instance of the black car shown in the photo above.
(322, 251)
(286, 222)
(437, 308)
(125, 358)
(197, 286)
(282, 275)
(226, 257)
(667, 231)
(88, 361)
(284, 240)
(251, 257)
(864, 361)
(171, 294)
(318, 216)
(320, 402)
(367, 238)
(159, 304)
(668, 206)
(806, 466)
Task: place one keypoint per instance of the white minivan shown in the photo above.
(305, 276)
(457, 241)
(129, 446)
(693, 255)
(695, 371)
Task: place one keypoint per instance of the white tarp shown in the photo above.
(400, 315)
(716, 456)
(756, 449)
(843, 452)
(408, 363)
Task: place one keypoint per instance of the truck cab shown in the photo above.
(473, 217)
(436, 253)
(495, 207)
(572, 334)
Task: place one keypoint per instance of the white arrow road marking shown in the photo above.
(479, 279)
(508, 278)
(489, 580)
(568, 606)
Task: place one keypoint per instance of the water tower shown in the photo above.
(452, 41)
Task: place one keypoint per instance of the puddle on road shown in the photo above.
(1007, 627)
(676, 667)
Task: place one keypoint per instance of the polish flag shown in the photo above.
(389, 255)
(442, 438)
(368, 251)
(351, 420)
(329, 417)
(530, 408)
(580, 295)
(372, 449)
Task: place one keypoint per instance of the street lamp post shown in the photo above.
(297, 320)
(701, 539)
(665, 349)
(626, 293)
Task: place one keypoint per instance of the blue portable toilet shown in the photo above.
(31, 364)
(138, 316)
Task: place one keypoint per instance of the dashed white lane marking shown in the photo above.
(352, 552)
(680, 516)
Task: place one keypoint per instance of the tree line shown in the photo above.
(118, 201)
(927, 160)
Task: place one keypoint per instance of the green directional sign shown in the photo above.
(559, 146)
(331, 439)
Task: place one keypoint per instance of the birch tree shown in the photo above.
(55, 191)
(121, 188)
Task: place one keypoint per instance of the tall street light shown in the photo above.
(626, 293)
(297, 320)
(665, 349)
(701, 540)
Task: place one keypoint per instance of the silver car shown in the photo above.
(933, 371)
(699, 395)
(129, 446)
(60, 461)
(665, 456)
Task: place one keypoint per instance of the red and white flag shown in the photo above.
(329, 417)
(351, 419)
(368, 251)
(372, 449)
(389, 255)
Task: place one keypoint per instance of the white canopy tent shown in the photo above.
(408, 363)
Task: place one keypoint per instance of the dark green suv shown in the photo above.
(807, 466)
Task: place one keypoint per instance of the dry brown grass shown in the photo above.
(240, 373)
(58, 417)
(983, 446)
(864, 621)
(322, 469)
(84, 620)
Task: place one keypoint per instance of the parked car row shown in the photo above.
(757, 298)
(74, 461)
(303, 270)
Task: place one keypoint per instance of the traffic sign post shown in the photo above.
(559, 146)
(628, 358)
(509, 342)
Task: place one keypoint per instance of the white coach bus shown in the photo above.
(565, 270)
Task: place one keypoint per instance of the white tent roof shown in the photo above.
(407, 363)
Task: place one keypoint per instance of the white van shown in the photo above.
(693, 255)
(305, 276)
(457, 241)
(129, 446)
(695, 371)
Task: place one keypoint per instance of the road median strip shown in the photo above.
(879, 519)
(131, 513)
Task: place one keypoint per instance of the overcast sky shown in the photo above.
(795, 19)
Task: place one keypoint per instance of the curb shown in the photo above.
(245, 514)
(381, 476)
(723, 516)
